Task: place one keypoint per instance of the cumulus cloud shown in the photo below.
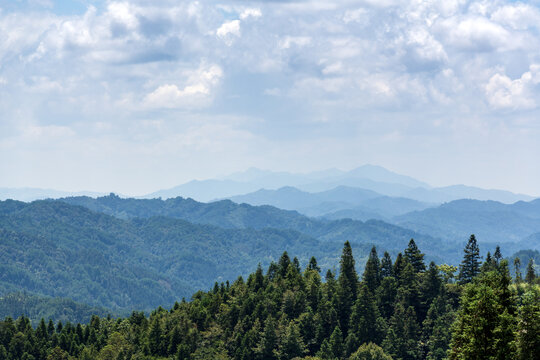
(517, 16)
(475, 34)
(196, 92)
(251, 12)
(229, 29)
(503, 92)
(123, 61)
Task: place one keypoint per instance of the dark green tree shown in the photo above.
(470, 266)
(531, 276)
(336, 343)
(347, 286)
(386, 265)
(291, 344)
(485, 324)
(415, 257)
(430, 288)
(401, 341)
(365, 322)
(399, 265)
(313, 265)
(528, 334)
(497, 255)
(372, 276)
(517, 270)
(283, 264)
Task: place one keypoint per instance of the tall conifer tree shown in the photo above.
(348, 286)
(470, 266)
(371, 274)
(415, 257)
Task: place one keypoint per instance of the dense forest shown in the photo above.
(398, 308)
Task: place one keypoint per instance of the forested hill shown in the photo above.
(57, 249)
(401, 309)
(228, 214)
(489, 220)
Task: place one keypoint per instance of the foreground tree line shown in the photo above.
(397, 309)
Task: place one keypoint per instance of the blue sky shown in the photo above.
(133, 96)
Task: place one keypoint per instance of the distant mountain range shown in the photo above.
(340, 202)
(366, 177)
(489, 220)
(229, 215)
(130, 253)
(31, 194)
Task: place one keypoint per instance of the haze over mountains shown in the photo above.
(172, 244)
(368, 177)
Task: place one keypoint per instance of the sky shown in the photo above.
(136, 96)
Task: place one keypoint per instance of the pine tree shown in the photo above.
(401, 341)
(436, 329)
(313, 265)
(528, 338)
(517, 269)
(268, 342)
(408, 290)
(155, 337)
(430, 288)
(348, 285)
(386, 266)
(291, 344)
(371, 276)
(399, 265)
(415, 257)
(470, 266)
(365, 318)
(497, 255)
(485, 324)
(283, 264)
(336, 343)
(386, 295)
(489, 264)
(531, 276)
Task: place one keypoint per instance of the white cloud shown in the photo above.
(299, 41)
(419, 63)
(357, 15)
(229, 28)
(503, 92)
(123, 13)
(475, 34)
(517, 16)
(196, 92)
(251, 12)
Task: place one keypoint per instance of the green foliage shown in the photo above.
(289, 313)
(486, 323)
(58, 250)
(39, 307)
(470, 266)
(370, 351)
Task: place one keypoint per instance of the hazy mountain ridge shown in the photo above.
(342, 199)
(490, 220)
(228, 214)
(367, 177)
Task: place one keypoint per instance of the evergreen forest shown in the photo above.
(398, 308)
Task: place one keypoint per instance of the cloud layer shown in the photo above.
(448, 91)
